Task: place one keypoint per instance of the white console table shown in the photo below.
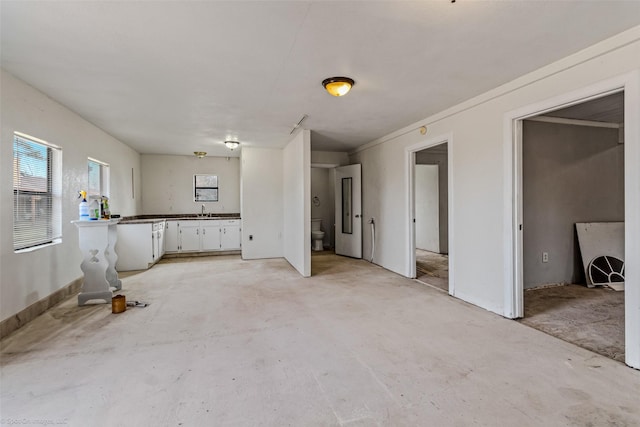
(97, 242)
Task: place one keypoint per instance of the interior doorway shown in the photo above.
(430, 209)
(571, 174)
(431, 216)
(322, 203)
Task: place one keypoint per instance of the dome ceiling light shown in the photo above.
(232, 144)
(200, 154)
(338, 86)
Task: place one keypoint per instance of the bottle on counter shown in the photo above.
(106, 214)
(94, 210)
(83, 207)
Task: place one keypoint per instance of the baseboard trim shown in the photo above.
(18, 320)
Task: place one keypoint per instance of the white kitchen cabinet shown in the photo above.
(210, 237)
(158, 240)
(201, 235)
(139, 245)
(230, 236)
(171, 242)
(189, 235)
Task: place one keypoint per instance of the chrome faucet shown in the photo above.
(202, 210)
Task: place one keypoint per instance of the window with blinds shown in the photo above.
(36, 192)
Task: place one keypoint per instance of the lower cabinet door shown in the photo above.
(210, 237)
(171, 236)
(189, 238)
(230, 238)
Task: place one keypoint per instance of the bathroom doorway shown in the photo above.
(322, 203)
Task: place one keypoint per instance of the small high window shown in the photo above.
(37, 187)
(205, 188)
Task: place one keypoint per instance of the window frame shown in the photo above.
(104, 173)
(52, 229)
(196, 188)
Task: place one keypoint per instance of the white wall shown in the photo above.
(427, 207)
(28, 277)
(478, 176)
(570, 174)
(262, 202)
(329, 158)
(297, 202)
(168, 183)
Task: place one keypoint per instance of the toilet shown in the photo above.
(317, 235)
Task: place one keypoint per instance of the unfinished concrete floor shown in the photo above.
(433, 268)
(227, 342)
(592, 318)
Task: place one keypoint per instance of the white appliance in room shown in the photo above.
(317, 235)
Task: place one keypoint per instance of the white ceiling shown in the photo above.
(175, 77)
(608, 109)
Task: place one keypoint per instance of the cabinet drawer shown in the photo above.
(235, 222)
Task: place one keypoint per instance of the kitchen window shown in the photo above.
(205, 188)
(37, 167)
(98, 173)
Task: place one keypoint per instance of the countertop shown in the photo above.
(151, 219)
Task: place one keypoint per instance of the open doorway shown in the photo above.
(431, 185)
(322, 207)
(572, 183)
(430, 231)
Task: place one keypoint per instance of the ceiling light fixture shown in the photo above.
(200, 154)
(232, 144)
(338, 86)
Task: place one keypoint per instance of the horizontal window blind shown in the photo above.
(36, 192)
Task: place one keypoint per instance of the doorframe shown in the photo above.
(513, 239)
(410, 162)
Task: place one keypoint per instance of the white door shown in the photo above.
(427, 208)
(348, 193)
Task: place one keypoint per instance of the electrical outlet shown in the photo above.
(545, 256)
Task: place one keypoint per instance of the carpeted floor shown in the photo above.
(592, 318)
(433, 268)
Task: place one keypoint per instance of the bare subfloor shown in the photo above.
(245, 343)
(592, 318)
(433, 268)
